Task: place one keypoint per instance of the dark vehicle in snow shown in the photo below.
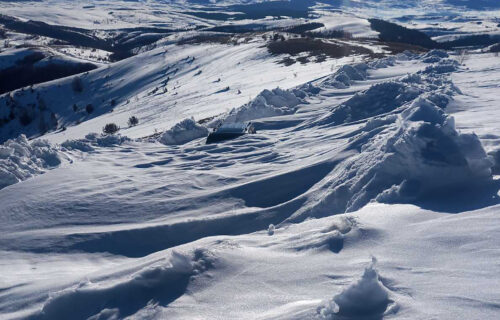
(230, 131)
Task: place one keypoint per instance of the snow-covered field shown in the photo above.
(370, 189)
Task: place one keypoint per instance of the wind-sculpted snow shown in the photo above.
(434, 56)
(183, 132)
(268, 103)
(164, 281)
(271, 206)
(404, 157)
(383, 62)
(367, 298)
(93, 140)
(388, 96)
(346, 74)
(21, 159)
(442, 66)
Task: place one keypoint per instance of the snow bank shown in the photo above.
(434, 56)
(386, 97)
(383, 62)
(404, 157)
(365, 299)
(163, 283)
(347, 74)
(183, 132)
(94, 140)
(21, 159)
(443, 66)
(267, 104)
(378, 99)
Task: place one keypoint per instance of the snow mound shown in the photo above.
(378, 99)
(402, 158)
(406, 56)
(443, 66)
(94, 140)
(21, 159)
(365, 299)
(183, 132)
(386, 97)
(434, 56)
(163, 283)
(346, 75)
(383, 63)
(268, 103)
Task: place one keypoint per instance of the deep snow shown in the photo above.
(183, 230)
(369, 191)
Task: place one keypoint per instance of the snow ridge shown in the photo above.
(21, 159)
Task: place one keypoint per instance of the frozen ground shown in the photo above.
(257, 227)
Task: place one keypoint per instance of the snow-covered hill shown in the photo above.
(136, 228)
(370, 189)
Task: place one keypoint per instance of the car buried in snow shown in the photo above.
(230, 131)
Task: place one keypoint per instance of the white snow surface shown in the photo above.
(183, 132)
(21, 159)
(370, 189)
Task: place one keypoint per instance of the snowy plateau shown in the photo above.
(367, 189)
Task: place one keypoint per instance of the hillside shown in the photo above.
(364, 184)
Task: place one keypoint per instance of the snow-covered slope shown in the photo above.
(370, 189)
(256, 227)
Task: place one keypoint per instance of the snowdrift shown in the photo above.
(347, 74)
(21, 159)
(93, 140)
(408, 150)
(183, 132)
(365, 299)
(386, 97)
(268, 103)
(162, 282)
(404, 157)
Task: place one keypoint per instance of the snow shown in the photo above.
(268, 103)
(394, 158)
(365, 298)
(239, 226)
(183, 132)
(92, 140)
(21, 159)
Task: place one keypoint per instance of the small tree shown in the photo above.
(133, 121)
(77, 84)
(110, 128)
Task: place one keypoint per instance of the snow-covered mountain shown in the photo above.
(368, 191)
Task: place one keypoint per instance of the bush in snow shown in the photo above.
(21, 159)
(183, 132)
(110, 128)
(133, 121)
